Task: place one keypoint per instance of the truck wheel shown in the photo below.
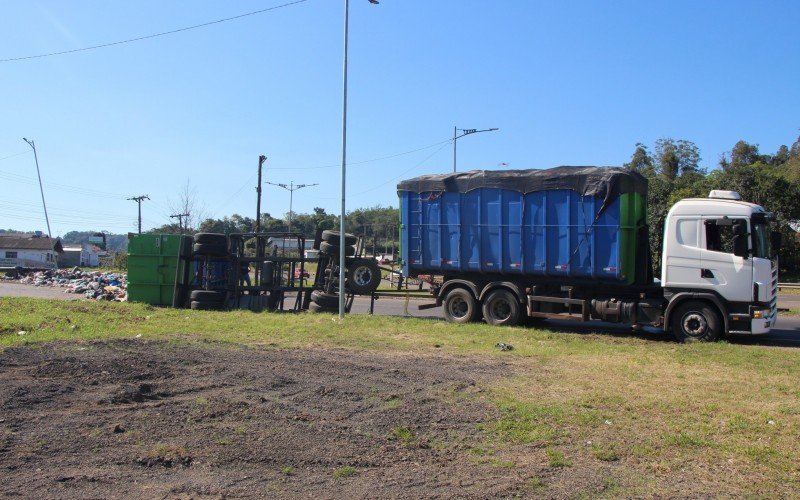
(211, 239)
(212, 249)
(334, 238)
(502, 308)
(363, 276)
(333, 250)
(696, 321)
(460, 306)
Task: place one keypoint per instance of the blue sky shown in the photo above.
(567, 83)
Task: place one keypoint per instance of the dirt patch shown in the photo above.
(154, 419)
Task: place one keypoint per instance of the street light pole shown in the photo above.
(291, 188)
(344, 158)
(36, 157)
(466, 131)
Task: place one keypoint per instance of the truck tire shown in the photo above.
(206, 306)
(333, 250)
(206, 296)
(211, 249)
(325, 299)
(696, 321)
(211, 239)
(460, 306)
(363, 276)
(316, 308)
(502, 308)
(333, 237)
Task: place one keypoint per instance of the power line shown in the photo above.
(146, 37)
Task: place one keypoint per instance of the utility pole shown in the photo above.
(36, 157)
(261, 160)
(291, 188)
(180, 220)
(139, 199)
(466, 131)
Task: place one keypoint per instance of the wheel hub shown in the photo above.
(459, 308)
(695, 324)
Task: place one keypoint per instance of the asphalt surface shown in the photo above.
(785, 334)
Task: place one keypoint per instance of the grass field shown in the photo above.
(652, 414)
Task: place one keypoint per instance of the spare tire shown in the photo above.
(333, 250)
(211, 239)
(207, 296)
(333, 237)
(363, 276)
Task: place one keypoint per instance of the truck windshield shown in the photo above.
(761, 241)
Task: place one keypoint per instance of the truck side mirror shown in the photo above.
(776, 242)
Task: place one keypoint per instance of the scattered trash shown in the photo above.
(138, 336)
(504, 347)
(771, 422)
(21, 332)
(92, 284)
(118, 429)
(608, 422)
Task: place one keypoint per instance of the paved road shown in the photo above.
(786, 333)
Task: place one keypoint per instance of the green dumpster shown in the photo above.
(153, 261)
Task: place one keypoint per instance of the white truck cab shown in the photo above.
(718, 256)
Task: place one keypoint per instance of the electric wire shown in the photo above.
(155, 35)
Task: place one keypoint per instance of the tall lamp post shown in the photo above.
(466, 131)
(36, 157)
(344, 158)
(291, 188)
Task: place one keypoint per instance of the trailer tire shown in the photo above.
(363, 276)
(316, 308)
(211, 239)
(210, 249)
(205, 306)
(206, 296)
(325, 299)
(696, 321)
(333, 237)
(460, 306)
(333, 250)
(502, 308)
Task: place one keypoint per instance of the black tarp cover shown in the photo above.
(605, 182)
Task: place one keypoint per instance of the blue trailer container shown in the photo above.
(568, 222)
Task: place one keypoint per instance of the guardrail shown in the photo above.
(789, 286)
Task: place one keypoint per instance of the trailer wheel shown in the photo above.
(325, 299)
(696, 321)
(211, 239)
(460, 306)
(333, 250)
(502, 308)
(212, 249)
(206, 306)
(207, 296)
(333, 237)
(363, 276)
(316, 308)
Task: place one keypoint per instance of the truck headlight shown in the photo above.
(761, 314)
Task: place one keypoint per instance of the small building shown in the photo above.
(31, 251)
(83, 255)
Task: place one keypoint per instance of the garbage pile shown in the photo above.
(92, 284)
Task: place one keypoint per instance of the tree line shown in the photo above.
(673, 171)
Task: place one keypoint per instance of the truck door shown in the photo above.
(724, 263)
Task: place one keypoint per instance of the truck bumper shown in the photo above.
(762, 326)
